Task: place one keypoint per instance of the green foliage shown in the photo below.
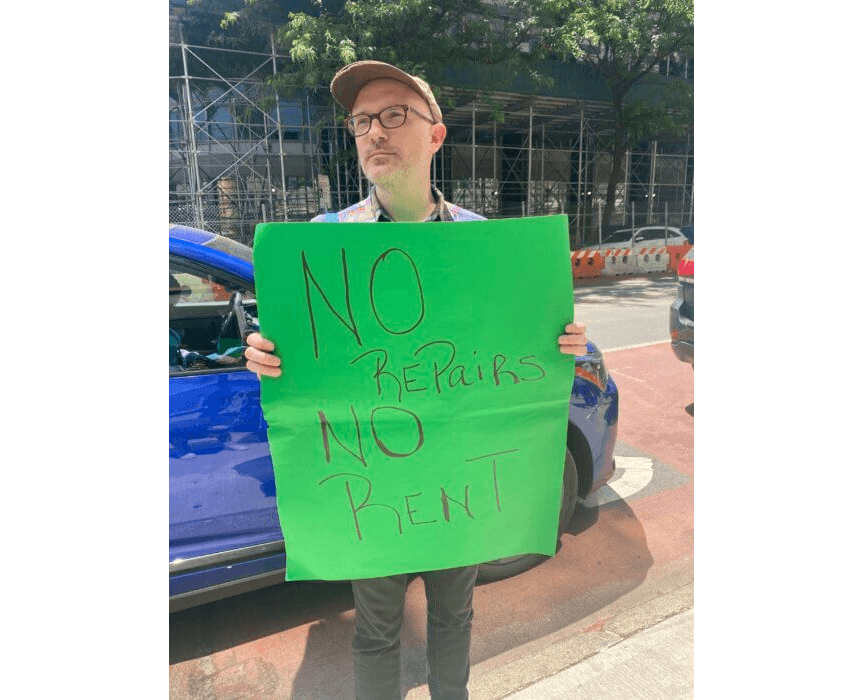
(422, 37)
(623, 41)
(667, 110)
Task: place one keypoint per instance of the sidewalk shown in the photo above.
(655, 663)
(638, 648)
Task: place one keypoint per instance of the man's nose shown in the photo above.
(376, 131)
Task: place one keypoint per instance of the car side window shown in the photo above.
(654, 234)
(203, 305)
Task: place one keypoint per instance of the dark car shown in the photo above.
(224, 534)
(688, 232)
(681, 311)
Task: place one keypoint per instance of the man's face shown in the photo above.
(389, 156)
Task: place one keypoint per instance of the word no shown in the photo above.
(348, 319)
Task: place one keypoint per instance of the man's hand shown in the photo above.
(574, 341)
(260, 358)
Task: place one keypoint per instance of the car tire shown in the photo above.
(510, 566)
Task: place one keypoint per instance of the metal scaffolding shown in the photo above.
(241, 154)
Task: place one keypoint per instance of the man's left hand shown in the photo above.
(574, 341)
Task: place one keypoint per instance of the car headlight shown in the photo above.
(592, 367)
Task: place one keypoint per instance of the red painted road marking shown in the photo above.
(656, 389)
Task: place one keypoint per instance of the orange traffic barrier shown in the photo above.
(676, 253)
(586, 263)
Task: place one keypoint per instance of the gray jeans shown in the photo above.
(380, 602)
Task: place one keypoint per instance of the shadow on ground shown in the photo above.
(602, 555)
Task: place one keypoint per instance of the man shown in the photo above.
(397, 127)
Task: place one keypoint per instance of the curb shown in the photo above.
(655, 600)
(653, 664)
(607, 281)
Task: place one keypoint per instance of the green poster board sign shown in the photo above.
(420, 420)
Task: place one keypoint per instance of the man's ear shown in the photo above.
(439, 133)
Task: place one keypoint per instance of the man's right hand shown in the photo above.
(260, 358)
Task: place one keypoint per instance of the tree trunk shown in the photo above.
(619, 153)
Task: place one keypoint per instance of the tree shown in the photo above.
(624, 41)
(423, 37)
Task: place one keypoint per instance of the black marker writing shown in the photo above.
(359, 502)
(355, 509)
(350, 324)
(436, 370)
(445, 504)
(390, 422)
(346, 318)
(411, 511)
(422, 312)
(494, 472)
(327, 430)
(384, 448)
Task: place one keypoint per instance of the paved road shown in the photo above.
(625, 564)
(622, 311)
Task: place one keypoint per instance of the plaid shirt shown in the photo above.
(370, 210)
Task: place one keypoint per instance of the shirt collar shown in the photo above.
(440, 213)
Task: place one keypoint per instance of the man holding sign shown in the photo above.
(397, 126)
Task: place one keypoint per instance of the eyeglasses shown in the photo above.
(390, 118)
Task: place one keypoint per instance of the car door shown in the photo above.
(222, 490)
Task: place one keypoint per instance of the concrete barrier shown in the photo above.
(626, 261)
(650, 259)
(586, 263)
(619, 261)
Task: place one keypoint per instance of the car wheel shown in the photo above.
(510, 566)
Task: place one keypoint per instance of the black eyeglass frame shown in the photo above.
(405, 109)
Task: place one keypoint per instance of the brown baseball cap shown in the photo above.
(351, 79)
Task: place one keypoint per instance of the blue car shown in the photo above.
(224, 534)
